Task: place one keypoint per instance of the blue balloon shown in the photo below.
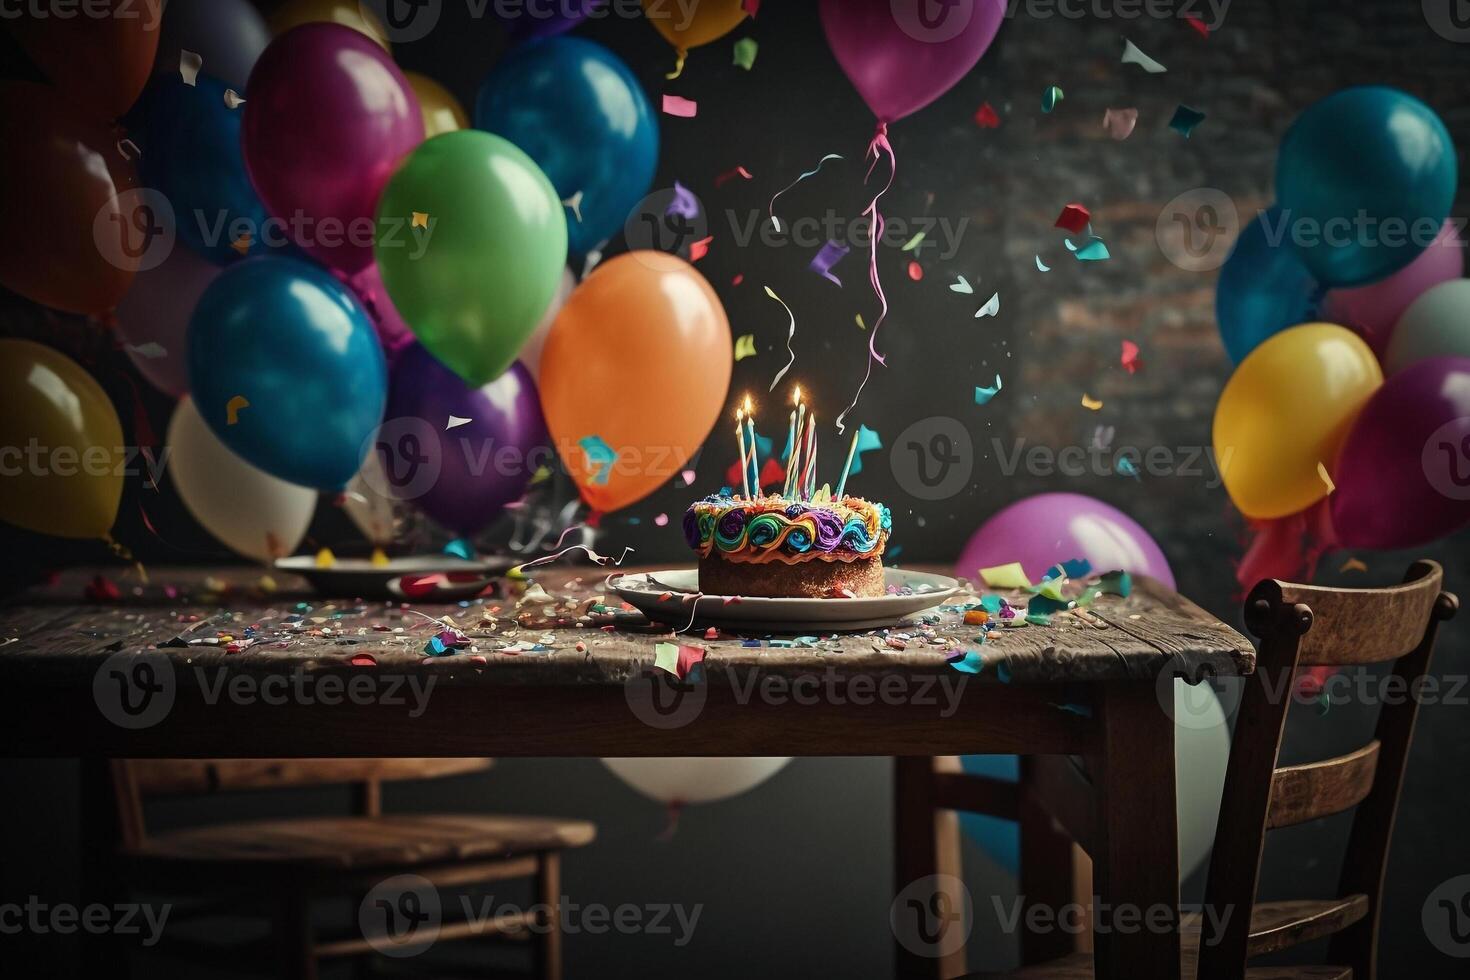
(1001, 839)
(582, 116)
(1264, 287)
(1366, 177)
(285, 367)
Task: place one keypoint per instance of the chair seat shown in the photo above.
(352, 843)
(1078, 966)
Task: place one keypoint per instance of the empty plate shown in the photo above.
(420, 578)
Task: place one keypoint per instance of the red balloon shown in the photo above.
(100, 56)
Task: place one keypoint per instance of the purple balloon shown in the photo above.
(462, 477)
(1374, 310)
(903, 56)
(1403, 475)
(152, 321)
(328, 120)
(544, 18)
(1049, 528)
(392, 331)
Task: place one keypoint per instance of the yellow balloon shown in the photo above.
(61, 445)
(348, 13)
(700, 23)
(441, 112)
(1284, 414)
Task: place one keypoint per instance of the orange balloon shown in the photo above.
(60, 187)
(100, 57)
(634, 375)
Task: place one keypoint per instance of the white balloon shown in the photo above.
(694, 780)
(531, 353)
(370, 510)
(250, 511)
(1201, 754)
(1437, 324)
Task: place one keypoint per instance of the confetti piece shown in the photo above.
(233, 99)
(677, 105)
(868, 440)
(1102, 437)
(1010, 576)
(790, 336)
(688, 476)
(967, 662)
(600, 458)
(380, 558)
(830, 254)
(1040, 267)
(420, 219)
(1133, 56)
(151, 351)
(1120, 123)
(1127, 467)
(730, 175)
(1095, 250)
(1200, 27)
(460, 548)
(1129, 358)
(913, 243)
(961, 285)
(1090, 403)
(1353, 565)
(699, 249)
(991, 307)
(751, 7)
(666, 658)
(1050, 98)
(986, 117)
(242, 244)
(234, 407)
(683, 204)
(984, 395)
(1326, 477)
(1074, 218)
(745, 347)
(810, 173)
(325, 558)
(745, 51)
(189, 66)
(1185, 120)
(574, 204)
(859, 320)
(916, 271)
(662, 520)
(455, 422)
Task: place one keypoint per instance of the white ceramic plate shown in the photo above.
(757, 615)
(420, 578)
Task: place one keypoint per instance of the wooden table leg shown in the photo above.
(101, 882)
(1136, 854)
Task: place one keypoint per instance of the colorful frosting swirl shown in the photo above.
(764, 529)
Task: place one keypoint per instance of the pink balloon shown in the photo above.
(152, 321)
(328, 119)
(1374, 309)
(1049, 528)
(392, 330)
(901, 55)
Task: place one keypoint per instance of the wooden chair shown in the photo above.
(291, 862)
(1298, 626)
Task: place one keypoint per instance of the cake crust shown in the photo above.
(803, 580)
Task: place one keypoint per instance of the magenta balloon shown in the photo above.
(1374, 310)
(152, 321)
(1403, 475)
(328, 119)
(1049, 528)
(901, 55)
(392, 330)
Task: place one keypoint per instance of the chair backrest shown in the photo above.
(1308, 626)
(137, 780)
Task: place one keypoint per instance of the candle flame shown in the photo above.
(748, 409)
(798, 395)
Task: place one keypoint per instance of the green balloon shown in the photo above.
(475, 282)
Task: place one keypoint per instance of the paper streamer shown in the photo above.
(831, 253)
(810, 173)
(790, 336)
(876, 150)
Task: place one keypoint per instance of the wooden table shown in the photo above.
(563, 674)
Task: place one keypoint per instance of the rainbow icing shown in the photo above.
(764, 529)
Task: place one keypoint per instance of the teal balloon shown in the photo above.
(580, 113)
(1366, 178)
(997, 837)
(1264, 287)
(286, 369)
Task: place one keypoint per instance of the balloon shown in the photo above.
(996, 836)
(63, 455)
(99, 57)
(249, 511)
(347, 13)
(1437, 323)
(190, 153)
(900, 60)
(372, 510)
(440, 110)
(696, 780)
(582, 116)
(1285, 412)
(694, 24)
(541, 18)
(1361, 175)
(1403, 476)
(638, 365)
(1374, 310)
(67, 174)
(482, 464)
(393, 333)
(284, 367)
(152, 321)
(328, 120)
(1264, 288)
(1049, 528)
(530, 354)
(474, 283)
(228, 35)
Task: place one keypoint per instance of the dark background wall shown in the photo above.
(794, 876)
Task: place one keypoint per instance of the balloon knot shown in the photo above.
(680, 55)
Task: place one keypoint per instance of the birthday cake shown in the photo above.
(783, 547)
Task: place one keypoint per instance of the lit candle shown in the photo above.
(793, 465)
(809, 468)
(755, 475)
(847, 467)
(740, 437)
